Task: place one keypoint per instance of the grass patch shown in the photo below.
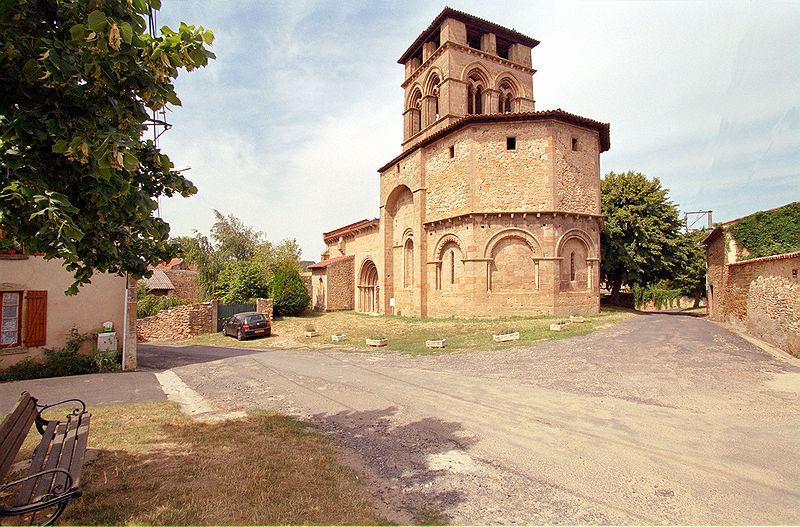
(408, 334)
(159, 467)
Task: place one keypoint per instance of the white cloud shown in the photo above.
(287, 127)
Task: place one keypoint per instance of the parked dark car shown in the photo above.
(245, 325)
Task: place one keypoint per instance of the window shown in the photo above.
(572, 266)
(511, 143)
(452, 152)
(452, 267)
(408, 263)
(574, 144)
(10, 319)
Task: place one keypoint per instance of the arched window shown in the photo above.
(452, 267)
(475, 90)
(506, 98)
(415, 112)
(408, 263)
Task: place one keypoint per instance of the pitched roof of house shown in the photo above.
(325, 263)
(470, 20)
(159, 280)
(604, 129)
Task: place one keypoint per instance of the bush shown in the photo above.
(289, 294)
(149, 304)
(60, 362)
(241, 282)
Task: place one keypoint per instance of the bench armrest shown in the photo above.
(58, 496)
(41, 422)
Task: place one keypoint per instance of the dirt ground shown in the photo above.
(659, 420)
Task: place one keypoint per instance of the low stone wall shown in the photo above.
(683, 302)
(177, 323)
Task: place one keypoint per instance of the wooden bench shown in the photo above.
(55, 471)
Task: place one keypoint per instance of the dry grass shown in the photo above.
(408, 334)
(158, 467)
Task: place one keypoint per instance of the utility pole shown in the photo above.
(697, 216)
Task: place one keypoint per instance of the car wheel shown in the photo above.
(240, 335)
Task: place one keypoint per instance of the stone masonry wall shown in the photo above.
(762, 297)
(185, 282)
(340, 285)
(177, 323)
(264, 305)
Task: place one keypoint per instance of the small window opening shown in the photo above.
(572, 266)
(574, 144)
(452, 267)
(502, 49)
(511, 143)
(452, 152)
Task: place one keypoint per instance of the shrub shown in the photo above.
(289, 294)
(658, 293)
(241, 282)
(60, 362)
(149, 304)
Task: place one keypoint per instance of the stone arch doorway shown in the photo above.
(368, 288)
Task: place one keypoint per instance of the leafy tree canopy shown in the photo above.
(233, 243)
(640, 233)
(690, 275)
(242, 281)
(77, 179)
(289, 293)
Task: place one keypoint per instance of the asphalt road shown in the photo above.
(658, 420)
(661, 419)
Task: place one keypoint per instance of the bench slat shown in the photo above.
(82, 442)
(44, 483)
(14, 430)
(39, 457)
(67, 452)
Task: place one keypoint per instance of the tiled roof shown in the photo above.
(325, 263)
(480, 23)
(159, 280)
(558, 114)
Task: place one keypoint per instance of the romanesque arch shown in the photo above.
(432, 96)
(368, 290)
(577, 254)
(477, 80)
(508, 92)
(512, 257)
(399, 240)
(414, 110)
(449, 260)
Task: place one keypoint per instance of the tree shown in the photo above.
(197, 250)
(234, 240)
(289, 293)
(690, 276)
(639, 240)
(242, 281)
(78, 181)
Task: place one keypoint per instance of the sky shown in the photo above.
(287, 127)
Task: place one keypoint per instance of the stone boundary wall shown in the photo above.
(178, 323)
(683, 302)
(762, 297)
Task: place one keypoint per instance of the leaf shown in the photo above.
(32, 70)
(78, 31)
(126, 31)
(208, 36)
(129, 161)
(60, 147)
(97, 21)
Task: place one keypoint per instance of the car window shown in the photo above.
(254, 319)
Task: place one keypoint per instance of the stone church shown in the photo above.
(492, 208)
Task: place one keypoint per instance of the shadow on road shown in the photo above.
(154, 357)
(405, 461)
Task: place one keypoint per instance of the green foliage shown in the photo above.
(768, 232)
(78, 181)
(60, 362)
(658, 293)
(289, 294)
(232, 241)
(690, 274)
(639, 240)
(241, 282)
(149, 304)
